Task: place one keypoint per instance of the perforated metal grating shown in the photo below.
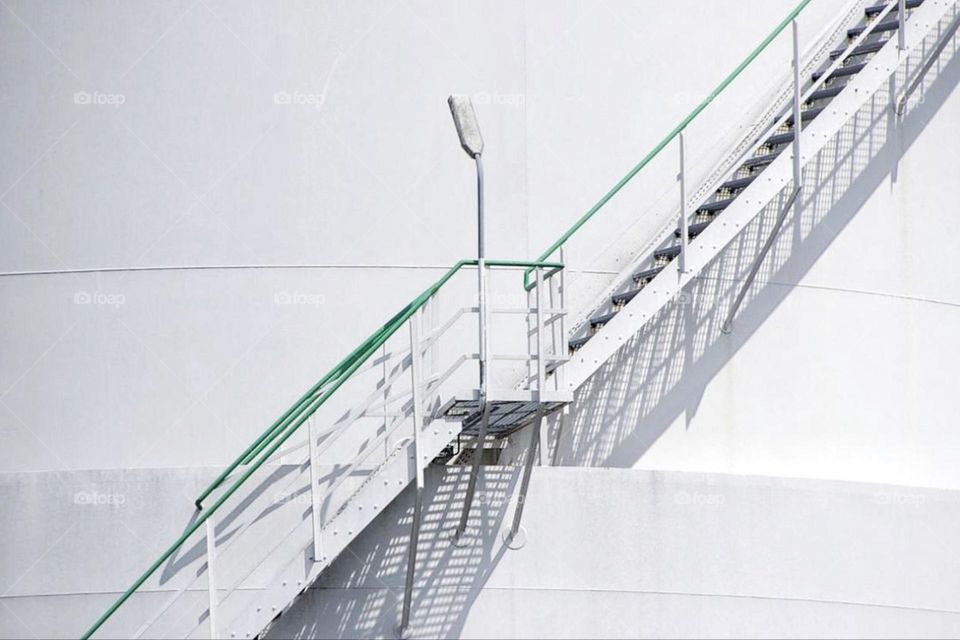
(506, 416)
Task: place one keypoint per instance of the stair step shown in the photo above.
(579, 342)
(719, 205)
(694, 230)
(667, 254)
(862, 50)
(889, 25)
(806, 116)
(646, 276)
(877, 8)
(599, 321)
(829, 92)
(780, 138)
(623, 298)
(758, 161)
(849, 70)
(739, 183)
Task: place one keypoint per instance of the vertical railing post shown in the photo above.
(542, 302)
(902, 25)
(481, 283)
(684, 233)
(797, 115)
(481, 437)
(315, 497)
(419, 462)
(561, 352)
(210, 529)
(511, 536)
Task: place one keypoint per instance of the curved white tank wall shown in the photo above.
(609, 553)
(140, 384)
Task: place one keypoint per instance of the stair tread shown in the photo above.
(849, 70)
(717, 205)
(760, 160)
(889, 25)
(693, 230)
(877, 8)
(862, 50)
(602, 319)
(626, 296)
(738, 183)
(827, 92)
(579, 342)
(647, 274)
(668, 252)
(806, 115)
(779, 139)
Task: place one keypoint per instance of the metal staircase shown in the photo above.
(287, 506)
(767, 173)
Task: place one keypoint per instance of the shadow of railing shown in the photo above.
(361, 594)
(662, 372)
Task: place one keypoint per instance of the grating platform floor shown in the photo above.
(506, 416)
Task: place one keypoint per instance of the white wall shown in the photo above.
(609, 553)
(839, 367)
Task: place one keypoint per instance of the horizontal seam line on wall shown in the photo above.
(234, 267)
(693, 594)
(863, 292)
(683, 593)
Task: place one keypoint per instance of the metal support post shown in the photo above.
(901, 26)
(484, 336)
(419, 463)
(684, 233)
(793, 200)
(512, 538)
(315, 500)
(797, 115)
(210, 528)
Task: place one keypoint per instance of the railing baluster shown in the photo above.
(419, 462)
(210, 528)
(315, 497)
(535, 428)
(541, 362)
(560, 374)
(684, 233)
(902, 26)
(797, 117)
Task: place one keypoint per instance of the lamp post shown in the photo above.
(468, 129)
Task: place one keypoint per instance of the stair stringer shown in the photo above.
(778, 177)
(246, 613)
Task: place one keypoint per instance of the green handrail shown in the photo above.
(663, 143)
(285, 426)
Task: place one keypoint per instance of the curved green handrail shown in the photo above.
(287, 424)
(669, 138)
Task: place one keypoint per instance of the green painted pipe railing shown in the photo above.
(667, 140)
(280, 431)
